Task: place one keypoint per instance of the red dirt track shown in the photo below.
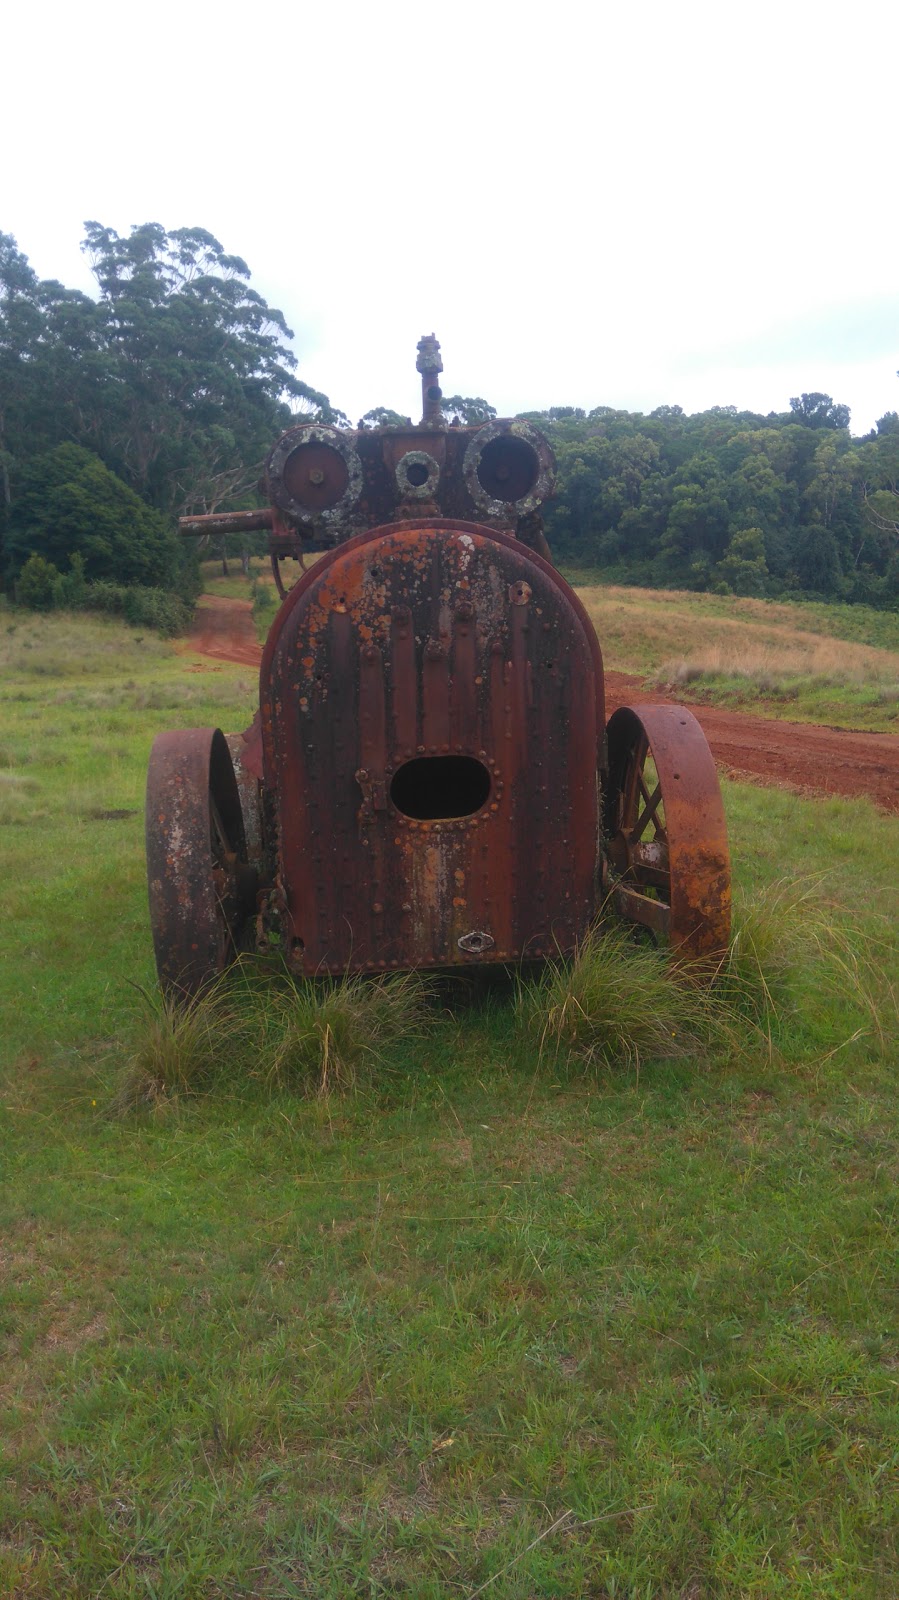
(224, 631)
(800, 756)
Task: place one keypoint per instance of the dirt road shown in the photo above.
(223, 630)
(798, 756)
(801, 756)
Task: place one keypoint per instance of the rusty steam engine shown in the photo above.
(430, 780)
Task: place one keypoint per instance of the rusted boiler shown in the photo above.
(430, 781)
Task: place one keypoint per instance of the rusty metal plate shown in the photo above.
(432, 716)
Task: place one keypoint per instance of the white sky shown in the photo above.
(627, 205)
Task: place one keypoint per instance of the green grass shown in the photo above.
(237, 585)
(837, 665)
(489, 1316)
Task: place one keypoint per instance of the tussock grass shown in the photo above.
(312, 1036)
(621, 1002)
(322, 1036)
(790, 949)
(615, 1003)
(17, 796)
(180, 1048)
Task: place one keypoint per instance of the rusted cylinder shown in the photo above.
(430, 365)
(225, 522)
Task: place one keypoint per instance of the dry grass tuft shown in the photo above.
(323, 1035)
(72, 644)
(616, 1002)
(770, 665)
(182, 1046)
(620, 1002)
(680, 637)
(789, 948)
(317, 1036)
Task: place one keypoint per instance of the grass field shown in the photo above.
(803, 661)
(494, 1321)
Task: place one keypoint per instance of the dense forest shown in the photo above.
(162, 394)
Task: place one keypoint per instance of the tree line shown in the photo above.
(161, 395)
(726, 499)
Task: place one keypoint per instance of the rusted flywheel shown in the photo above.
(200, 883)
(666, 838)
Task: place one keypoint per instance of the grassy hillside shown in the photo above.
(806, 662)
(495, 1317)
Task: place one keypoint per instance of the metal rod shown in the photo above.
(225, 522)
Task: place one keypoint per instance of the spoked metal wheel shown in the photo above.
(201, 885)
(666, 839)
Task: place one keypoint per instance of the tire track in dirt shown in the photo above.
(799, 756)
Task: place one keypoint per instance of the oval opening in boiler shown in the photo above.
(438, 788)
(508, 468)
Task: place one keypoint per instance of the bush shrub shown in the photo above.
(37, 583)
(143, 607)
(69, 501)
(41, 587)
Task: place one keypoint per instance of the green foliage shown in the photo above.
(383, 417)
(70, 504)
(466, 409)
(41, 587)
(142, 606)
(36, 587)
(819, 411)
(178, 376)
(670, 499)
(743, 568)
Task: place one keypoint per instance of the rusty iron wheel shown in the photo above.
(665, 833)
(201, 885)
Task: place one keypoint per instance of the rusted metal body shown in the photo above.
(431, 717)
(430, 781)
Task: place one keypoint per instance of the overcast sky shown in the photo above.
(636, 205)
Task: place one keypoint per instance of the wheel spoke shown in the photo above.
(652, 914)
(632, 781)
(652, 806)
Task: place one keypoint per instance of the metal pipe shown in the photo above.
(226, 522)
(430, 365)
